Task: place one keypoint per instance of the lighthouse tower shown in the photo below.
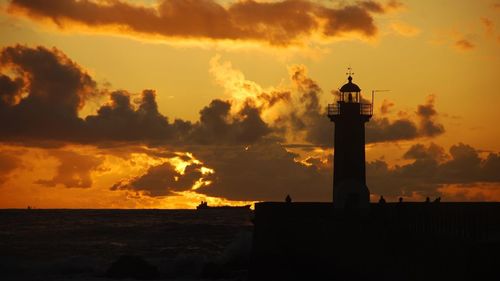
(350, 113)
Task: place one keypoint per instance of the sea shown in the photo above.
(68, 244)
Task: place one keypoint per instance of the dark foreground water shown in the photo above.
(81, 244)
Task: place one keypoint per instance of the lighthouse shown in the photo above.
(350, 113)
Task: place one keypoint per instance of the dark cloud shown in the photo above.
(400, 181)
(10, 89)
(382, 129)
(386, 130)
(427, 115)
(278, 23)
(8, 163)
(74, 169)
(419, 151)
(57, 89)
(120, 120)
(162, 180)
(431, 168)
(264, 171)
(267, 171)
(123, 121)
(218, 126)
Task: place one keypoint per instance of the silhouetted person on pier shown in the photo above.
(381, 201)
(427, 200)
(400, 199)
(288, 199)
(437, 200)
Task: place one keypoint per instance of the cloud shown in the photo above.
(57, 88)
(382, 129)
(297, 115)
(265, 171)
(8, 164)
(488, 25)
(10, 89)
(121, 121)
(464, 45)
(243, 91)
(277, 23)
(292, 112)
(306, 117)
(431, 169)
(74, 169)
(421, 152)
(394, 5)
(427, 115)
(162, 180)
(217, 126)
(405, 29)
(386, 106)
(386, 130)
(47, 91)
(262, 171)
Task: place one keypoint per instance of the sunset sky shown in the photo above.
(162, 104)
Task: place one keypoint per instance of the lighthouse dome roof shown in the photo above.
(350, 87)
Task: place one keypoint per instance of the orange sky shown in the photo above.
(162, 104)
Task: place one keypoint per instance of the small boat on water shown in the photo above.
(204, 206)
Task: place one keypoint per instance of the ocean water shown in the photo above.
(81, 244)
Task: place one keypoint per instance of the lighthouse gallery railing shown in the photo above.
(364, 109)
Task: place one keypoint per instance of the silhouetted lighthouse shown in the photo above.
(349, 114)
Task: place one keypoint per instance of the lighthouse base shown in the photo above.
(351, 194)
